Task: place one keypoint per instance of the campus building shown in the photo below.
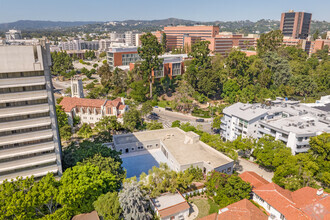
(13, 35)
(173, 65)
(287, 121)
(178, 36)
(92, 110)
(295, 24)
(305, 203)
(122, 56)
(79, 45)
(181, 149)
(29, 137)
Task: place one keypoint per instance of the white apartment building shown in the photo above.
(13, 35)
(104, 44)
(29, 138)
(130, 38)
(92, 110)
(79, 45)
(288, 121)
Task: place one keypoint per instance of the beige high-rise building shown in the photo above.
(29, 137)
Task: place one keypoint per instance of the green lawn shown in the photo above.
(205, 206)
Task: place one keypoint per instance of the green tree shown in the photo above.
(269, 42)
(146, 108)
(133, 203)
(103, 54)
(216, 122)
(85, 131)
(154, 125)
(176, 123)
(149, 51)
(81, 185)
(107, 125)
(164, 42)
(108, 206)
(63, 124)
(105, 74)
(139, 91)
(316, 34)
(61, 64)
(86, 149)
(132, 120)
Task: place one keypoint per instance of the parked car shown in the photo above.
(168, 109)
(199, 120)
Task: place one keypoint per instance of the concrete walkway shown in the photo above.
(193, 212)
(245, 165)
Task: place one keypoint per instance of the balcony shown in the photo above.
(26, 150)
(23, 124)
(25, 137)
(23, 96)
(37, 172)
(223, 127)
(25, 110)
(223, 121)
(282, 138)
(265, 131)
(20, 82)
(27, 162)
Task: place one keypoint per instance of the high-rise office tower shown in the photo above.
(29, 137)
(295, 24)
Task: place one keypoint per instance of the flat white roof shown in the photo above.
(167, 200)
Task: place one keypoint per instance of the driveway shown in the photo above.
(245, 165)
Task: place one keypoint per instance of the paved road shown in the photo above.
(167, 117)
(245, 165)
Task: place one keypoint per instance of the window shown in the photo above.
(229, 169)
(282, 217)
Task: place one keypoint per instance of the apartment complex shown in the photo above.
(281, 204)
(181, 149)
(79, 45)
(287, 121)
(13, 35)
(295, 24)
(92, 110)
(122, 56)
(177, 36)
(29, 138)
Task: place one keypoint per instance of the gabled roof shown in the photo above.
(254, 179)
(68, 103)
(241, 210)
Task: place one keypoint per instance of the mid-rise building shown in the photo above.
(79, 45)
(181, 149)
(176, 35)
(29, 137)
(130, 38)
(295, 24)
(91, 111)
(13, 35)
(122, 56)
(287, 121)
(104, 44)
(281, 204)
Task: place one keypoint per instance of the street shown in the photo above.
(245, 165)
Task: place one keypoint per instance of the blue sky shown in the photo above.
(198, 10)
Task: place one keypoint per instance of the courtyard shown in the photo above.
(137, 162)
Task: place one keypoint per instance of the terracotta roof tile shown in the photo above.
(87, 216)
(254, 179)
(174, 209)
(241, 210)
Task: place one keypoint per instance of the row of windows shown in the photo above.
(30, 167)
(23, 103)
(27, 156)
(20, 74)
(22, 117)
(39, 141)
(22, 89)
(25, 130)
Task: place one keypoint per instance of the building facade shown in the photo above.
(295, 24)
(287, 121)
(90, 111)
(122, 56)
(175, 36)
(13, 35)
(29, 137)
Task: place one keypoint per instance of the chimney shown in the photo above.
(319, 192)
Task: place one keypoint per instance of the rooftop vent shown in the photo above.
(319, 192)
(223, 210)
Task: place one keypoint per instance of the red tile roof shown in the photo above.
(174, 209)
(241, 210)
(87, 216)
(254, 179)
(68, 103)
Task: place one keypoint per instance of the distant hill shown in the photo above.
(244, 27)
(38, 25)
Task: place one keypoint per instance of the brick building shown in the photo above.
(295, 24)
(122, 56)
